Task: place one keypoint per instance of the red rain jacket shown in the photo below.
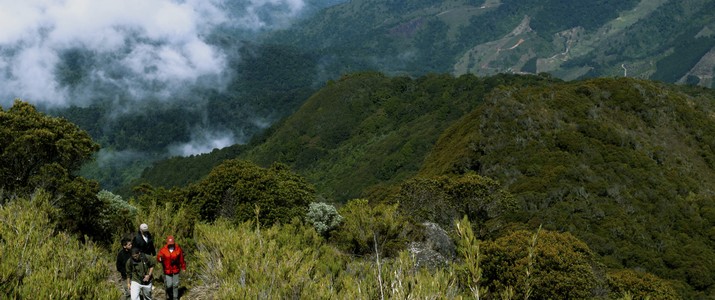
(172, 262)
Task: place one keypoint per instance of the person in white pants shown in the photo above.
(140, 269)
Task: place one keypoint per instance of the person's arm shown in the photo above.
(129, 274)
(160, 258)
(120, 265)
(147, 277)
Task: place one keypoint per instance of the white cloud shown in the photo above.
(203, 141)
(133, 42)
(32, 71)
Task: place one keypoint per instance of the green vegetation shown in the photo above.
(587, 189)
(333, 138)
(41, 152)
(368, 228)
(39, 262)
(444, 199)
(625, 165)
(606, 160)
(323, 216)
(240, 191)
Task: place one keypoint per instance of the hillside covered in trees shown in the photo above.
(493, 187)
(624, 165)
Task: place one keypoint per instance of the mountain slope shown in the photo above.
(367, 129)
(626, 165)
(664, 40)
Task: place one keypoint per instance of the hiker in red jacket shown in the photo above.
(172, 261)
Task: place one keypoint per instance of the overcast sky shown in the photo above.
(157, 41)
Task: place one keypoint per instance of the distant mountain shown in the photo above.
(672, 41)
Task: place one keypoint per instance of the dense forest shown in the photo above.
(507, 186)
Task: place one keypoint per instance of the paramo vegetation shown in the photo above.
(479, 215)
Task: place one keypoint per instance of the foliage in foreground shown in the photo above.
(40, 263)
(38, 151)
(293, 261)
(247, 261)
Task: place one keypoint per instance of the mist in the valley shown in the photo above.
(150, 79)
(130, 57)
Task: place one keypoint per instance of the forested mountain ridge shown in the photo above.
(362, 130)
(623, 165)
(665, 40)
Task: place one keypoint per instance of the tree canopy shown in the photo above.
(41, 152)
(240, 190)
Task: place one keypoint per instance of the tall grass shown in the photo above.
(39, 263)
(167, 219)
(293, 261)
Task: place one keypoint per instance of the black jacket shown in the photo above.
(145, 247)
(122, 258)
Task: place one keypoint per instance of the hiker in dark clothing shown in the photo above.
(139, 274)
(124, 254)
(144, 241)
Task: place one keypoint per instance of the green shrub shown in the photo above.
(640, 285)
(469, 249)
(446, 199)
(42, 152)
(549, 265)
(235, 188)
(323, 216)
(365, 224)
(278, 262)
(118, 215)
(292, 261)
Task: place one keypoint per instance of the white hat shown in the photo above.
(143, 227)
